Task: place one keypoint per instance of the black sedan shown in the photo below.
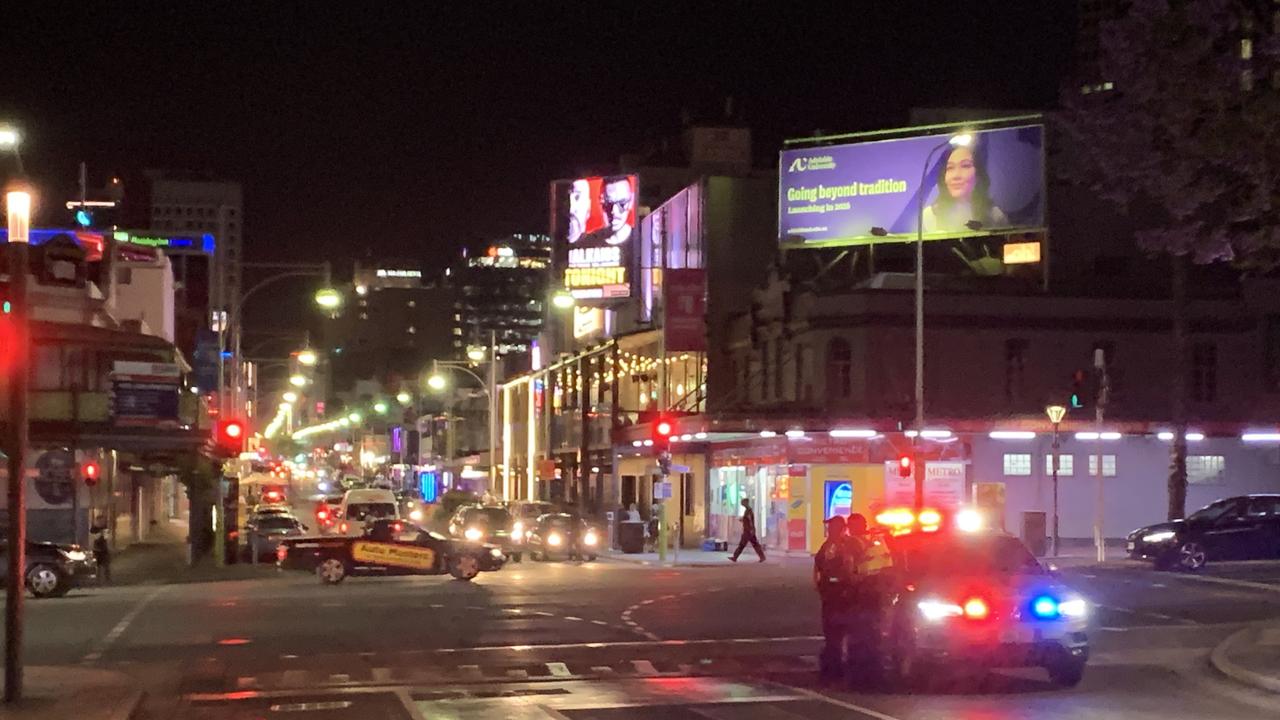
(1246, 527)
(388, 547)
(52, 570)
(562, 535)
(487, 524)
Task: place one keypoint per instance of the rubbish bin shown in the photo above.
(631, 537)
(1033, 533)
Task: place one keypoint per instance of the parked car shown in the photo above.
(52, 569)
(1245, 527)
(263, 533)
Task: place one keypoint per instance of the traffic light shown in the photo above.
(90, 471)
(231, 436)
(905, 466)
(1077, 390)
(663, 428)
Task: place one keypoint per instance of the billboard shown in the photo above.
(600, 236)
(835, 195)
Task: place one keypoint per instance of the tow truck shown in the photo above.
(388, 547)
(972, 598)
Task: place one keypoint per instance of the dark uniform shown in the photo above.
(830, 575)
(850, 571)
(748, 533)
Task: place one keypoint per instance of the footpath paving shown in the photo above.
(1251, 656)
(54, 693)
(163, 560)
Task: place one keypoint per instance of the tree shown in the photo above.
(1178, 128)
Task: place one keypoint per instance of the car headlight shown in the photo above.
(473, 534)
(77, 555)
(415, 515)
(590, 538)
(517, 529)
(938, 610)
(1073, 608)
(1160, 536)
(495, 552)
(554, 539)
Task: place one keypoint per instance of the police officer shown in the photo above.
(831, 576)
(866, 598)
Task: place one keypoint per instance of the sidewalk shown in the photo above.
(56, 692)
(163, 560)
(705, 558)
(1251, 656)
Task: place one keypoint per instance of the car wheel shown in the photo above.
(1191, 556)
(516, 557)
(45, 581)
(331, 571)
(464, 567)
(1067, 672)
(591, 558)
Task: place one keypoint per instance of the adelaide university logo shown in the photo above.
(817, 162)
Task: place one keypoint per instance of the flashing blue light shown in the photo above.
(6, 307)
(83, 218)
(227, 354)
(207, 244)
(1044, 607)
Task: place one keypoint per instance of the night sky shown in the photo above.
(398, 131)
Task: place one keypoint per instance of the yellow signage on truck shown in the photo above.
(408, 556)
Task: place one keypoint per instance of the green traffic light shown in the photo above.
(6, 307)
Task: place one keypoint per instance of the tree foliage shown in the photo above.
(1181, 127)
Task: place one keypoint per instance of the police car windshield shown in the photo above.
(972, 556)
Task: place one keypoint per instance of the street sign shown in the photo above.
(662, 491)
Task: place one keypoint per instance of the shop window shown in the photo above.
(839, 368)
(1206, 469)
(1066, 465)
(1204, 372)
(1108, 465)
(1017, 464)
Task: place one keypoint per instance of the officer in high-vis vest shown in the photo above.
(850, 571)
(867, 600)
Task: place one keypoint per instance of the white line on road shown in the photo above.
(1234, 583)
(622, 644)
(570, 617)
(105, 644)
(841, 703)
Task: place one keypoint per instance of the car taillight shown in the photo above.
(976, 609)
(397, 527)
(322, 514)
(282, 552)
(342, 527)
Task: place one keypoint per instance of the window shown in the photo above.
(1017, 464)
(1204, 372)
(1206, 469)
(1268, 506)
(686, 492)
(766, 391)
(839, 368)
(1066, 465)
(1108, 465)
(1015, 360)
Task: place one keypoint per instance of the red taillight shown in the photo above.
(397, 527)
(282, 552)
(342, 527)
(976, 609)
(322, 514)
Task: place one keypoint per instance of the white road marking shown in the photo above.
(470, 671)
(600, 622)
(339, 678)
(622, 644)
(1233, 583)
(644, 667)
(558, 669)
(842, 703)
(570, 617)
(244, 682)
(101, 647)
(518, 674)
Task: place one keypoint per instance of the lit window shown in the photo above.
(1246, 49)
(1206, 469)
(1017, 464)
(412, 330)
(1108, 465)
(1066, 465)
(413, 304)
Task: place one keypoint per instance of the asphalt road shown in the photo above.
(614, 640)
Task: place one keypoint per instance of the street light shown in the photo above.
(9, 138)
(404, 398)
(475, 353)
(436, 382)
(308, 357)
(1055, 413)
(328, 298)
(563, 299)
(18, 206)
(290, 396)
(298, 380)
(380, 407)
(354, 417)
(959, 140)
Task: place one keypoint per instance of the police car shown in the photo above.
(971, 598)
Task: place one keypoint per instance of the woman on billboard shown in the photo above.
(963, 194)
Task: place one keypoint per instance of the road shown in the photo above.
(612, 640)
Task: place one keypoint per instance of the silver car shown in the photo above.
(263, 533)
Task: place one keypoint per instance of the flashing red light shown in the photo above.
(233, 430)
(904, 466)
(976, 609)
(397, 527)
(322, 514)
(91, 472)
(231, 436)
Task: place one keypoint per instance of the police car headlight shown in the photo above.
(1073, 608)
(590, 538)
(1157, 537)
(938, 610)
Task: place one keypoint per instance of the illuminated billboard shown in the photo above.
(600, 236)
(982, 181)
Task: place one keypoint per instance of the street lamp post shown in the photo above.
(1055, 413)
(18, 205)
(961, 140)
(437, 382)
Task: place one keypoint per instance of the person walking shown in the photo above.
(748, 532)
(102, 556)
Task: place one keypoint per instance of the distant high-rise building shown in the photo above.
(501, 288)
(183, 204)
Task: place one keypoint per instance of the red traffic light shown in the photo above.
(663, 428)
(233, 429)
(904, 466)
(231, 436)
(90, 471)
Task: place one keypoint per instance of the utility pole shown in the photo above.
(1100, 369)
(18, 204)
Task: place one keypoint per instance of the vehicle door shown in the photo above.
(1263, 514)
(1227, 537)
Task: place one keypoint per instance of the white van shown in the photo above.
(365, 505)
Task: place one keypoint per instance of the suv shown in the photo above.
(486, 524)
